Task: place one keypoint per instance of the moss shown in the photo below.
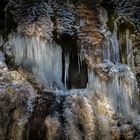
(111, 13)
(10, 61)
(10, 90)
(111, 20)
(126, 25)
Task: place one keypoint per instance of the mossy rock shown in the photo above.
(126, 25)
(111, 20)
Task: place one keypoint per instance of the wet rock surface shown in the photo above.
(15, 101)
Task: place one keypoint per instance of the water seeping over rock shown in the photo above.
(75, 78)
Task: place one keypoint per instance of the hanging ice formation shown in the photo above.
(40, 57)
(67, 62)
(121, 89)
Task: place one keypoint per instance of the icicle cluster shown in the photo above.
(121, 89)
(40, 57)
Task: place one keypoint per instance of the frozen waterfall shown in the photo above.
(121, 90)
(40, 57)
(44, 60)
(86, 111)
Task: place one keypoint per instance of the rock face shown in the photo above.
(16, 97)
(69, 70)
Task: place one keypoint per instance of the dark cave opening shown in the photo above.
(77, 74)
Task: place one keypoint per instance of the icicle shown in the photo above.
(103, 19)
(120, 90)
(67, 62)
(106, 50)
(79, 64)
(81, 57)
(129, 50)
(111, 46)
(115, 45)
